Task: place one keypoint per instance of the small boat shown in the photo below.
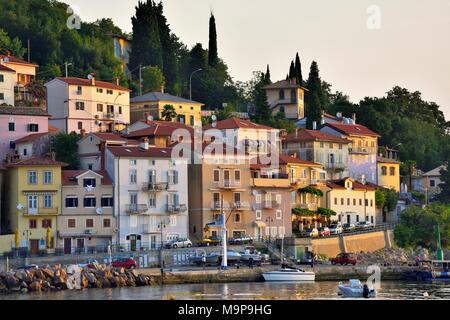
(355, 289)
(288, 274)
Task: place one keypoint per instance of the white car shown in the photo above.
(336, 228)
(179, 243)
(364, 225)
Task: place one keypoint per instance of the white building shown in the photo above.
(151, 195)
(77, 104)
(7, 76)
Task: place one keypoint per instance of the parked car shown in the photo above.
(241, 240)
(311, 232)
(179, 243)
(305, 259)
(349, 227)
(336, 228)
(324, 232)
(364, 225)
(344, 258)
(250, 254)
(127, 263)
(215, 258)
(209, 242)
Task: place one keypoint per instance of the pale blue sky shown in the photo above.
(411, 49)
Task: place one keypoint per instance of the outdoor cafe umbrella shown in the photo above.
(16, 238)
(49, 237)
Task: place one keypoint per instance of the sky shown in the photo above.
(363, 47)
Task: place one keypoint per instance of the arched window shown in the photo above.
(293, 96)
(384, 171)
(392, 171)
(281, 94)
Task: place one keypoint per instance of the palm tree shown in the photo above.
(169, 113)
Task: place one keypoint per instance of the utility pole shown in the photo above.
(140, 79)
(66, 64)
(224, 237)
(190, 82)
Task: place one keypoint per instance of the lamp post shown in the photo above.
(140, 78)
(190, 82)
(28, 234)
(162, 225)
(270, 220)
(66, 65)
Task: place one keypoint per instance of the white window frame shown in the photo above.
(279, 215)
(133, 176)
(258, 215)
(152, 198)
(258, 198)
(46, 172)
(35, 177)
(46, 197)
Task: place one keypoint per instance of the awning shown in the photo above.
(37, 192)
(260, 224)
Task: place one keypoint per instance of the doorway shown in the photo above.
(80, 245)
(67, 245)
(34, 246)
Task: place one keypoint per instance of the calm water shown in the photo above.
(237, 291)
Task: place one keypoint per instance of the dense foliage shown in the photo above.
(418, 227)
(66, 149)
(444, 196)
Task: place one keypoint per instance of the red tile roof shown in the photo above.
(5, 68)
(236, 123)
(313, 135)
(152, 152)
(159, 128)
(23, 111)
(31, 137)
(284, 84)
(327, 115)
(37, 161)
(53, 130)
(283, 160)
(355, 129)
(87, 82)
(105, 136)
(68, 177)
(340, 184)
(15, 60)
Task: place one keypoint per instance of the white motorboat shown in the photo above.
(286, 274)
(355, 289)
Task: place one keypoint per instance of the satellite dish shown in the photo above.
(150, 118)
(214, 117)
(255, 192)
(99, 211)
(98, 123)
(214, 124)
(90, 77)
(20, 206)
(89, 188)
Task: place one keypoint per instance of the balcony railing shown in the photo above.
(241, 205)
(217, 205)
(301, 181)
(176, 208)
(362, 150)
(109, 115)
(155, 187)
(136, 208)
(271, 204)
(150, 228)
(318, 181)
(227, 184)
(335, 165)
(41, 211)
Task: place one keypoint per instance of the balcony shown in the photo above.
(362, 150)
(274, 181)
(336, 166)
(318, 181)
(271, 204)
(136, 208)
(241, 205)
(41, 211)
(217, 205)
(176, 208)
(303, 182)
(308, 206)
(149, 228)
(155, 187)
(227, 184)
(108, 115)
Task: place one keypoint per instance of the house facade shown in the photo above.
(312, 145)
(87, 105)
(17, 123)
(431, 181)
(150, 195)
(7, 81)
(152, 104)
(34, 202)
(388, 171)
(87, 223)
(288, 97)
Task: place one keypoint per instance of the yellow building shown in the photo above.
(33, 201)
(388, 173)
(122, 49)
(288, 97)
(152, 104)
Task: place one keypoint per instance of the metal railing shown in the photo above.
(227, 184)
(176, 208)
(136, 208)
(155, 187)
(376, 228)
(40, 211)
(271, 204)
(241, 205)
(362, 150)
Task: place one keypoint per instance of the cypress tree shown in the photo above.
(292, 71)
(298, 70)
(213, 56)
(313, 97)
(267, 76)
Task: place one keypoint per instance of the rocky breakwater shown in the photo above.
(71, 277)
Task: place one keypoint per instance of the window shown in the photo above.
(342, 201)
(71, 202)
(110, 108)
(99, 107)
(133, 176)
(12, 145)
(354, 202)
(2, 78)
(33, 127)
(25, 151)
(173, 221)
(79, 90)
(71, 223)
(392, 171)
(172, 176)
(281, 94)
(152, 200)
(48, 177)
(321, 145)
(89, 223)
(293, 96)
(79, 105)
(348, 201)
(33, 224)
(109, 92)
(106, 223)
(340, 146)
(216, 198)
(89, 202)
(366, 202)
(46, 223)
(89, 182)
(216, 175)
(258, 198)
(120, 110)
(331, 146)
(258, 214)
(237, 176)
(237, 217)
(191, 120)
(384, 171)
(371, 203)
(432, 183)
(279, 215)
(360, 202)
(133, 162)
(99, 90)
(48, 201)
(32, 177)
(107, 202)
(335, 201)
(2, 96)
(80, 125)
(90, 166)
(357, 218)
(11, 126)
(237, 198)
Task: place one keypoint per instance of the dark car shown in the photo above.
(127, 263)
(344, 258)
(241, 240)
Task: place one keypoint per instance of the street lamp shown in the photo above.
(190, 82)
(270, 220)
(161, 226)
(28, 234)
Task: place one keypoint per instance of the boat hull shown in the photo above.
(350, 292)
(280, 276)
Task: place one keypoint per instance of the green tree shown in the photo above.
(12, 46)
(314, 96)
(298, 70)
(152, 79)
(408, 167)
(213, 56)
(444, 196)
(267, 76)
(66, 149)
(168, 113)
(258, 96)
(380, 199)
(292, 71)
(226, 112)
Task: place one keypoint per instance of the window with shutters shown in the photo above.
(48, 201)
(258, 198)
(258, 214)
(33, 224)
(152, 176)
(99, 107)
(106, 223)
(216, 176)
(152, 200)
(279, 215)
(89, 202)
(71, 202)
(46, 223)
(79, 105)
(172, 176)
(89, 223)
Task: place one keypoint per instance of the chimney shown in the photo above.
(162, 89)
(116, 81)
(82, 133)
(354, 118)
(144, 144)
(314, 125)
(93, 79)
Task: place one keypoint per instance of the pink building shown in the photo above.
(18, 122)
